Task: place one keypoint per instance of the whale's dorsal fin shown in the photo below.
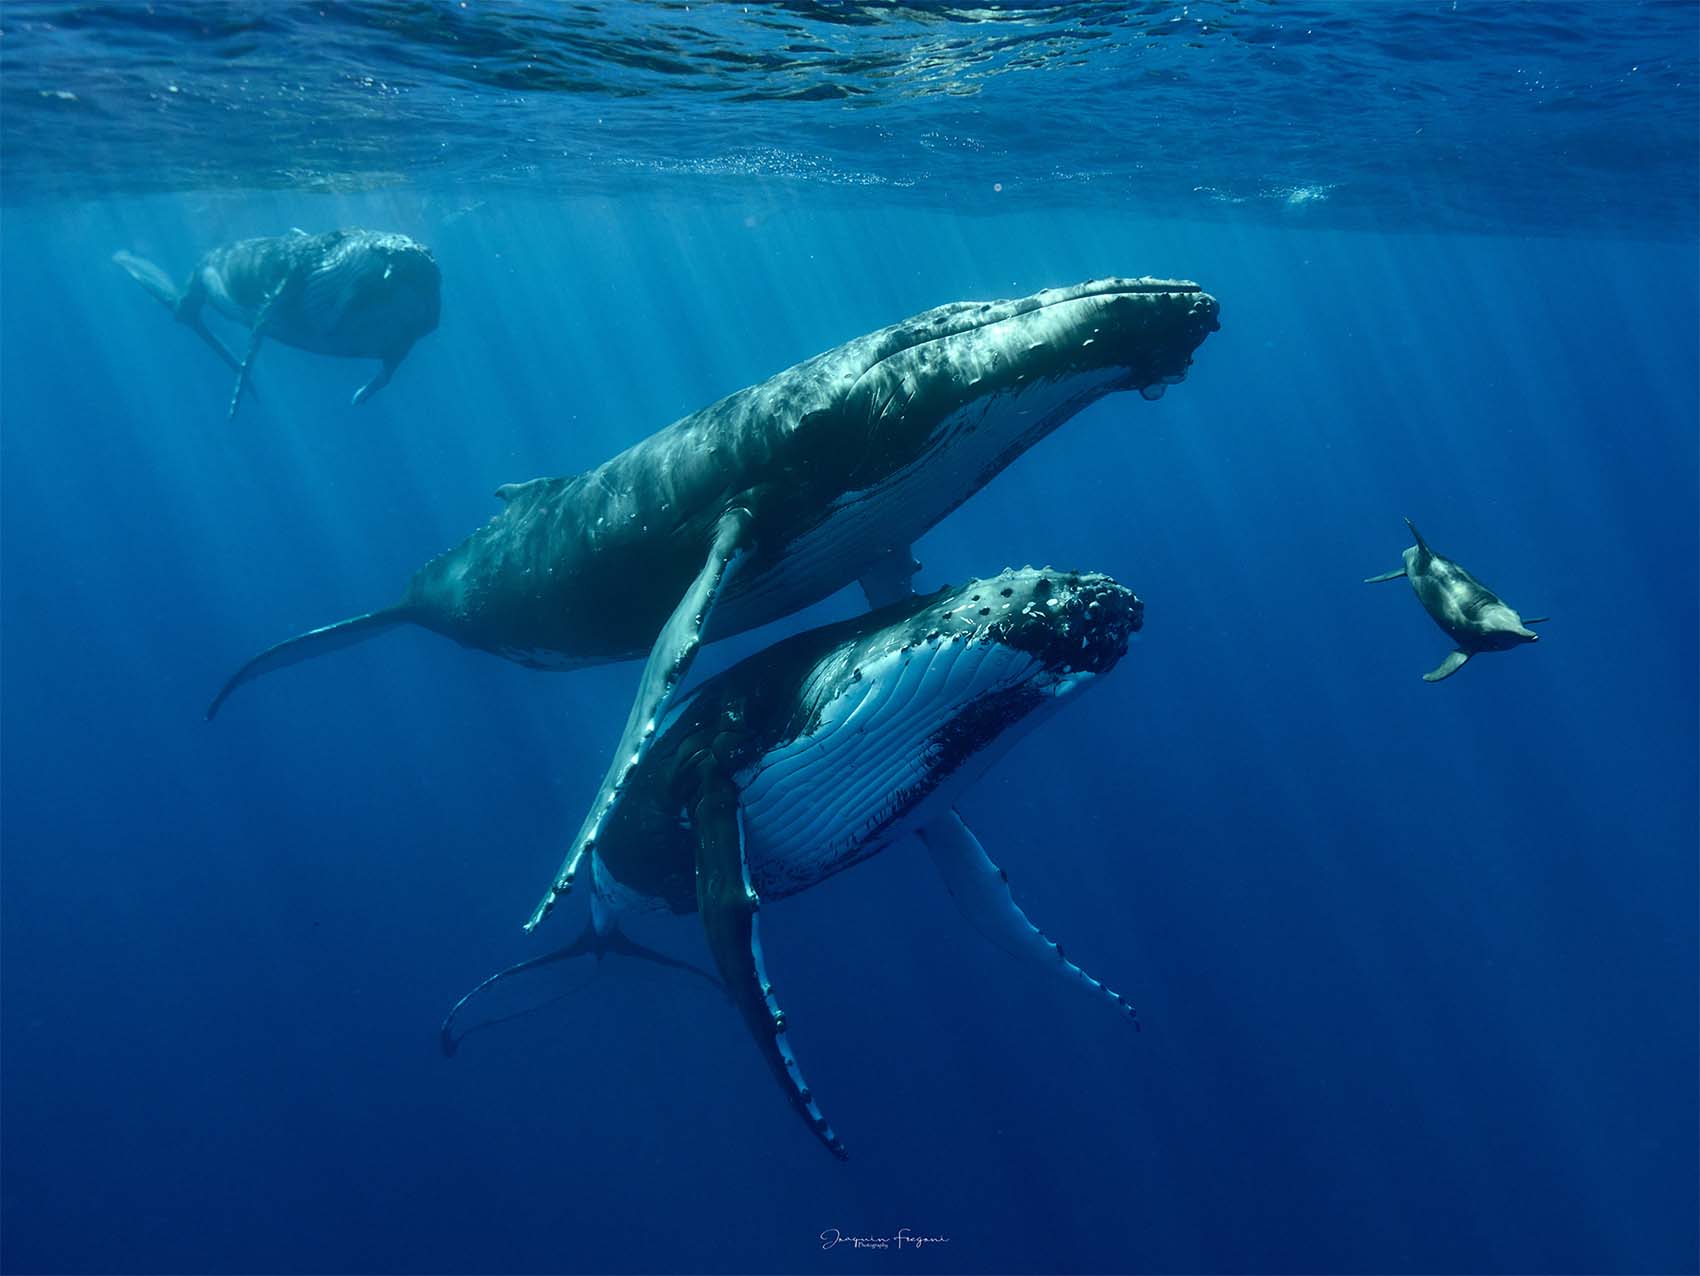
(1446, 668)
(981, 891)
(507, 491)
(669, 661)
(727, 904)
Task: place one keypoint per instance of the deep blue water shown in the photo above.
(1416, 964)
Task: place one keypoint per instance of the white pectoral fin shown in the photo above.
(981, 891)
(669, 660)
(243, 368)
(1446, 668)
(727, 905)
(255, 335)
(1376, 580)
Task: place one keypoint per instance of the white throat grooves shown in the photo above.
(811, 805)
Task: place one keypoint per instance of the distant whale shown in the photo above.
(779, 495)
(361, 294)
(1471, 613)
(829, 747)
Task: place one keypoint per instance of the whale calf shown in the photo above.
(1475, 617)
(360, 294)
(778, 495)
(830, 746)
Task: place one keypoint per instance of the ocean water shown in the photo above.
(1416, 964)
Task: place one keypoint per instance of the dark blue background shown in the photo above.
(1416, 964)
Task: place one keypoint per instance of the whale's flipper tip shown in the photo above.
(378, 382)
(1446, 668)
(980, 890)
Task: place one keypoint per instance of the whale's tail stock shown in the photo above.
(184, 306)
(589, 943)
(150, 277)
(315, 642)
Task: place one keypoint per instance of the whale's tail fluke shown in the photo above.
(184, 308)
(151, 277)
(315, 642)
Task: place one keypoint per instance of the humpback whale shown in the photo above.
(1472, 614)
(360, 294)
(830, 746)
(778, 495)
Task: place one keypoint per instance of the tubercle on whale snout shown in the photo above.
(1162, 331)
(1072, 621)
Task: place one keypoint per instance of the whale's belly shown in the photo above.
(974, 444)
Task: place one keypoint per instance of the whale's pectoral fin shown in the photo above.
(590, 943)
(1376, 580)
(195, 325)
(1446, 668)
(256, 334)
(1536, 620)
(892, 579)
(727, 903)
(981, 891)
(669, 660)
(378, 381)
